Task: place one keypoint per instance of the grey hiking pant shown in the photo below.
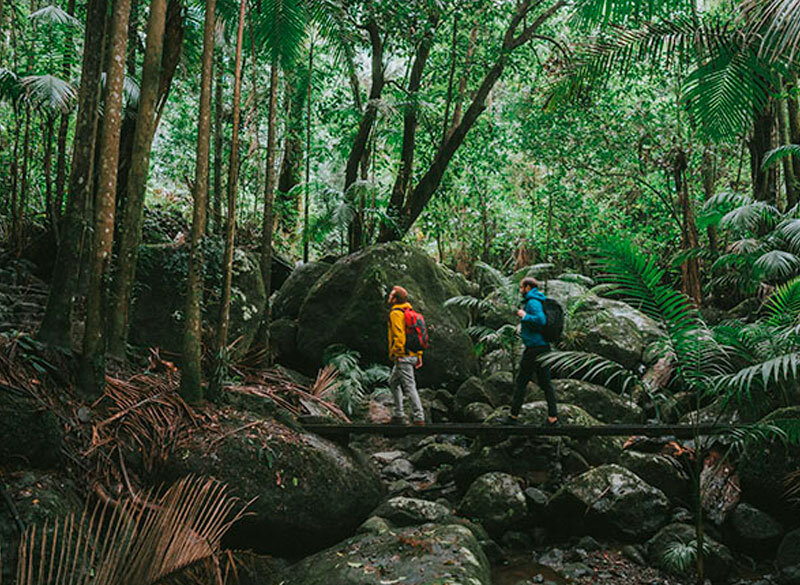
(402, 380)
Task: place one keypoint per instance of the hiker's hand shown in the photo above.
(520, 313)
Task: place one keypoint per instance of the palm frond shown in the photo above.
(774, 371)
(750, 216)
(777, 264)
(776, 24)
(10, 87)
(783, 305)
(789, 230)
(590, 367)
(469, 302)
(281, 30)
(327, 380)
(49, 92)
(134, 542)
(593, 12)
(54, 15)
(778, 154)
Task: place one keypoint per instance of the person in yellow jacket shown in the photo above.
(405, 362)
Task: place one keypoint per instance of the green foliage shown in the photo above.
(353, 383)
(679, 556)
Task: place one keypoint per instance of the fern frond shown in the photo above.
(590, 367)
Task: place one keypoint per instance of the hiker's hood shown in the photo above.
(534, 294)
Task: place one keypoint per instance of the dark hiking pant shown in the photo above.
(529, 366)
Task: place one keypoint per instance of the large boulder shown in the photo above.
(600, 402)
(597, 450)
(36, 497)
(660, 471)
(348, 306)
(423, 555)
(763, 468)
(30, 434)
(159, 303)
(496, 500)
(789, 550)
(717, 561)
(754, 532)
(610, 500)
(402, 511)
(290, 296)
(310, 492)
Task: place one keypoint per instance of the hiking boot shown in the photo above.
(397, 420)
(419, 423)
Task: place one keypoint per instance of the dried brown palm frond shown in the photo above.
(130, 542)
(327, 381)
(792, 485)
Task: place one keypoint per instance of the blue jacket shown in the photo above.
(534, 320)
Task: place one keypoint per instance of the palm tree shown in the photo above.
(92, 365)
(191, 365)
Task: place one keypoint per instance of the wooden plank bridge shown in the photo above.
(344, 431)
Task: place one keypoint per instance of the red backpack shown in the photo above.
(417, 337)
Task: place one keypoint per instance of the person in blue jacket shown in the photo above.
(532, 320)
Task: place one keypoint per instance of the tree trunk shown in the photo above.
(92, 366)
(709, 182)
(23, 191)
(356, 228)
(291, 170)
(55, 327)
(191, 366)
(450, 77)
(690, 269)
(410, 121)
(307, 202)
(230, 228)
(133, 33)
(63, 128)
(48, 171)
(269, 198)
(794, 129)
(764, 181)
(131, 224)
(463, 81)
(217, 206)
(789, 177)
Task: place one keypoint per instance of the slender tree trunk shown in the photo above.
(307, 202)
(356, 227)
(14, 197)
(450, 77)
(269, 198)
(230, 228)
(709, 182)
(690, 269)
(794, 129)
(291, 169)
(463, 82)
(131, 224)
(789, 177)
(191, 365)
(63, 128)
(217, 207)
(764, 181)
(92, 366)
(23, 192)
(55, 327)
(48, 171)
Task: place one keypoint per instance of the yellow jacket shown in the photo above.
(397, 333)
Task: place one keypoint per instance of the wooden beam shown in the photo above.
(476, 429)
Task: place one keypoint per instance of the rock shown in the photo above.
(632, 553)
(611, 500)
(763, 466)
(386, 457)
(789, 550)
(350, 299)
(600, 402)
(30, 434)
(576, 278)
(597, 450)
(423, 555)
(477, 412)
(157, 314)
(472, 390)
(374, 525)
(283, 341)
(496, 501)
(310, 492)
(412, 512)
(500, 386)
(754, 532)
(37, 497)
(290, 296)
(718, 412)
(717, 562)
(566, 293)
(576, 570)
(660, 471)
(534, 460)
(433, 455)
(536, 498)
(398, 469)
(589, 544)
(514, 540)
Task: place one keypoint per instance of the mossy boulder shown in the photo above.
(30, 434)
(600, 402)
(310, 492)
(159, 299)
(473, 390)
(754, 532)
(402, 511)
(718, 561)
(424, 555)
(433, 455)
(596, 450)
(37, 497)
(348, 306)
(763, 468)
(660, 471)
(290, 296)
(610, 501)
(496, 501)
